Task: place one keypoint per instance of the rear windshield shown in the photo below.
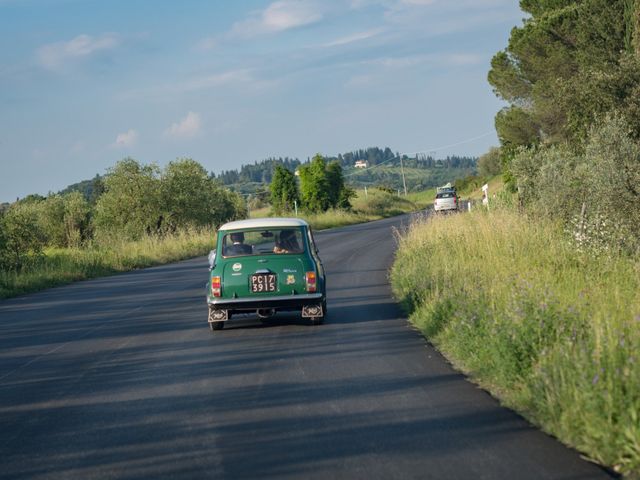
(445, 195)
(280, 241)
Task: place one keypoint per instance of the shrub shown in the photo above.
(598, 185)
(21, 237)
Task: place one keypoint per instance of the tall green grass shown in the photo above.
(552, 332)
(59, 266)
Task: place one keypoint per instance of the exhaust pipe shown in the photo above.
(265, 313)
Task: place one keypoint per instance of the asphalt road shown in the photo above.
(120, 377)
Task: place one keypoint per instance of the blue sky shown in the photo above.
(86, 83)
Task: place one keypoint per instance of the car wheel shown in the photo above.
(216, 325)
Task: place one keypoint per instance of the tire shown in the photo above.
(216, 325)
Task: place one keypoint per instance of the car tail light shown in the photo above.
(311, 281)
(455, 199)
(216, 286)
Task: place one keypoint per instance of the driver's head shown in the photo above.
(237, 237)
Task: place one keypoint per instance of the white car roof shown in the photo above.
(271, 222)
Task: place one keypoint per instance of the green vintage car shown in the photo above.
(265, 265)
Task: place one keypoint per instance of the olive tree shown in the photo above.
(21, 237)
(131, 204)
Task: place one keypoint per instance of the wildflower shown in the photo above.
(596, 377)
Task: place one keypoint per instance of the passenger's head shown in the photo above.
(237, 237)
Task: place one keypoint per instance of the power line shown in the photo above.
(452, 145)
(430, 150)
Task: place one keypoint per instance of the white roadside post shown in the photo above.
(485, 195)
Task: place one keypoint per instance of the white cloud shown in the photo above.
(126, 139)
(215, 80)
(54, 55)
(356, 37)
(359, 81)
(188, 127)
(197, 83)
(418, 3)
(279, 16)
(206, 44)
(439, 60)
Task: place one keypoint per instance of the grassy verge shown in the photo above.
(552, 332)
(61, 266)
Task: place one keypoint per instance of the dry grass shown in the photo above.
(61, 266)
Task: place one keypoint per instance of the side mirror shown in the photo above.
(212, 259)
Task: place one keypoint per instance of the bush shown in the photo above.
(21, 237)
(182, 196)
(601, 181)
(490, 164)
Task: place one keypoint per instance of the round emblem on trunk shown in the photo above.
(237, 267)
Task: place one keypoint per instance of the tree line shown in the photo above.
(262, 172)
(132, 201)
(569, 136)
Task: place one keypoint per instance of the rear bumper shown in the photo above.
(282, 302)
(442, 208)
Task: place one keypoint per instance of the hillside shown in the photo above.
(379, 167)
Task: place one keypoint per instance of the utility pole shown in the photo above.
(404, 183)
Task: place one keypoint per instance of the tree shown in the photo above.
(131, 205)
(51, 219)
(314, 186)
(188, 196)
(339, 194)
(21, 238)
(322, 185)
(77, 214)
(284, 190)
(570, 62)
(490, 163)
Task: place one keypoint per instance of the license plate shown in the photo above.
(263, 282)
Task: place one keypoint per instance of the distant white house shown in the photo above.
(361, 164)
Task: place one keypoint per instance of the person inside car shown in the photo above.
(287, 243)
(238, 247)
